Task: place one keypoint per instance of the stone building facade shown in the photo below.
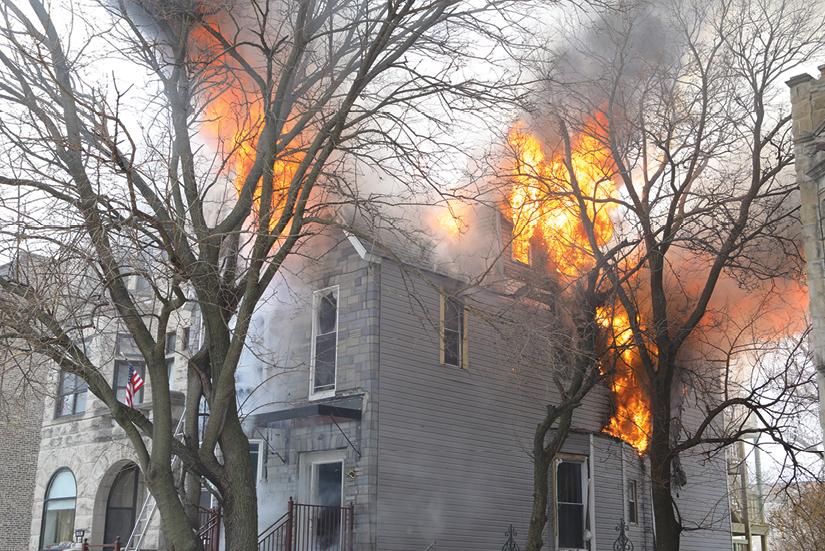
(87, 474)
(808, 112)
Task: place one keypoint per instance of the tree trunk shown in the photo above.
(538, 519)
(240, 499)
(668, 529)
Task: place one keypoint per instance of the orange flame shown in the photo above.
(543, 203)
(234, 117)
(632, 420)
(451, 220)
(549, 205)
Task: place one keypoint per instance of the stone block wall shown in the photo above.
(808, 112)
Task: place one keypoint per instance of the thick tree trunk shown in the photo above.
(240, 500)
(543, 455)
(538, 519)
(176, 528)
(668, 529)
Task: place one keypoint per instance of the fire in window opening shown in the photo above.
(324, 341)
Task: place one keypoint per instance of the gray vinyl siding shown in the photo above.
(453, 448)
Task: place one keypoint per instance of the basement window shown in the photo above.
(453, 341)
(324, 353)
(570, 483)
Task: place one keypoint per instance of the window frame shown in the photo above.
(140, 367)
(317, 297)
(463, 347)
(47, 500)
(74, 394)
(258, 466)
(171, 339)
(584, 483)
(632, 502)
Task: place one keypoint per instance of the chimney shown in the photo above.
(821, 71)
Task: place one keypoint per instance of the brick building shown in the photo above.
(20, 419)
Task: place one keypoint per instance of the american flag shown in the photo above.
(133, 384)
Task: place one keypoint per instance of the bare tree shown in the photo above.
(108, 182)
(682, 98)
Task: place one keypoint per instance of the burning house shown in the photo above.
(393, 405)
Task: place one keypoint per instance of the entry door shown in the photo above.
(327, 482)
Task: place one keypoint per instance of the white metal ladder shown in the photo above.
(150, 505)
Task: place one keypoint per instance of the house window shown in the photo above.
(453, 332)
(571, 503)
(58, 510)
(256, 454)
(71, 395)
(122, 377)
(171, 340)
(324, 341)
(632, 507)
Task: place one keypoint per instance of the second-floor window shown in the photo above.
(171, 341)
(122, 378)
(71, 395)
(324, 341)
(453, 332)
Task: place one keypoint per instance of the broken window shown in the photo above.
(324, 341)
(571, 503)
(453, 332)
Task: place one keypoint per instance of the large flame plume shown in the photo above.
(544, 207)
(234, 117)
(548, 207)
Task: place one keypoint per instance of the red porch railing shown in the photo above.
(115, 545)
(310, 528)
(209, 521)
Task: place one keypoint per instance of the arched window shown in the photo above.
(58, 510)
(122, 505)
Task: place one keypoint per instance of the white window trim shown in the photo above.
(316, 300)
(259, 468)
(308, 469)
(585, 482)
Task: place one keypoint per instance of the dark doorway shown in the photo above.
(122, 505)
(328, 491)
